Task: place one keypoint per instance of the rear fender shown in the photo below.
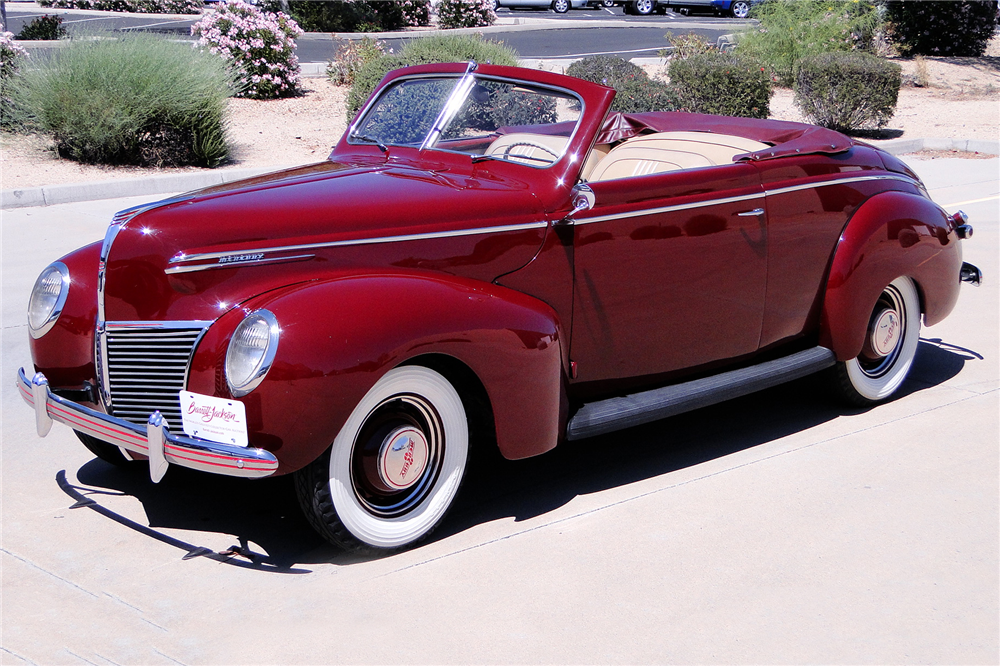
(339, 336)
(893, 234)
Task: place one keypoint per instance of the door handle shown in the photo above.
(756, 212)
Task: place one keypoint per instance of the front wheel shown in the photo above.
(394, 470)
(109, 453)
(740, 9)
(560, 6)
(889, 349)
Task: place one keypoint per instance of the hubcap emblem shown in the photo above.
(886, 332)
(403, 458)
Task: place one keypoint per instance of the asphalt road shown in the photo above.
(575, 34)
(779, 527)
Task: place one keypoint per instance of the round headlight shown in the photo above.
(47, 299)
(251, 352)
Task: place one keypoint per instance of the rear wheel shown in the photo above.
(394, 470)
(889, 349)
(560, 6)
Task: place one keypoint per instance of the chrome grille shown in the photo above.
(147, 367)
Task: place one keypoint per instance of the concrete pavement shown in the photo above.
(775, 528)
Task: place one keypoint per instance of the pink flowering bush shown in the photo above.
(261, 45)
(10, 55)
(465, 13)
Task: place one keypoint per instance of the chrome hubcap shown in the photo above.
(885, 334)
(403, 458)
(397, 455)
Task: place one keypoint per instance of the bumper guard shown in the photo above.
(153, 440)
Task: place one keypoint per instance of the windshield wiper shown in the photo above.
(370, 139)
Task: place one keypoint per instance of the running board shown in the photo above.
(597, 418)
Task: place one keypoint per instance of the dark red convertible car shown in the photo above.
(488, 258)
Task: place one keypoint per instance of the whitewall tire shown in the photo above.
(394, 470)
(890, 346)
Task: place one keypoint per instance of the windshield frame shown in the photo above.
(456, 98)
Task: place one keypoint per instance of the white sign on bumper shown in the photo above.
(214, 419)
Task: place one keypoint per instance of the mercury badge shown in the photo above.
(403, 458)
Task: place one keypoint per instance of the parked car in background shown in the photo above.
(734, 8)
(488, 258)
(558, 6)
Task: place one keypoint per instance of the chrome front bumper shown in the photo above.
(153, 440)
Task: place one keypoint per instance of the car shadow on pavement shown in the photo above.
(263, 515)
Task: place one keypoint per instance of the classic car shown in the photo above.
(488, 258)
(558, 6)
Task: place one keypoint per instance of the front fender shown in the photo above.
(340, 335)
(893, 234)
(66, 353)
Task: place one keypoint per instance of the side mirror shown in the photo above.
(583, 199)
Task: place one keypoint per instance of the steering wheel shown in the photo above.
(531, 144)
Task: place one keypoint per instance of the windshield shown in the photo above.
(480, 116)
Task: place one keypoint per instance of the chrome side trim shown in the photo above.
(182, 257)
(232, 264)
(669, 209)
(749, 197)
(839, 181)
(180, 450)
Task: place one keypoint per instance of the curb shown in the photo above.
(906, 146)
(49, 195)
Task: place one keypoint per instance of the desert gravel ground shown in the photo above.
(961, 101)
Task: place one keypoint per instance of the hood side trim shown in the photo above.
(184, 258)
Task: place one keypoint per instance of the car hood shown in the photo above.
(197, 255)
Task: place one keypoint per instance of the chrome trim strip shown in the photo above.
(839, 181)
(669, 209)
(233, 264)
(766, 193)
(182, 450)
(131, 325)
(181, 257)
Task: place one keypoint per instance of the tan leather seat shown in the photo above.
(670, 151)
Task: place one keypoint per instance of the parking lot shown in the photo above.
(780, 527)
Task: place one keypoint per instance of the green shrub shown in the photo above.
(139, 99)
(465, 13)
(356, 16)
(427, 50)
(792, 29)
(635, 91)
(722, 84)
(685, 46)
(350, 55)
(847, 91)
(137, 6)
(953, 28)
(44, 28)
